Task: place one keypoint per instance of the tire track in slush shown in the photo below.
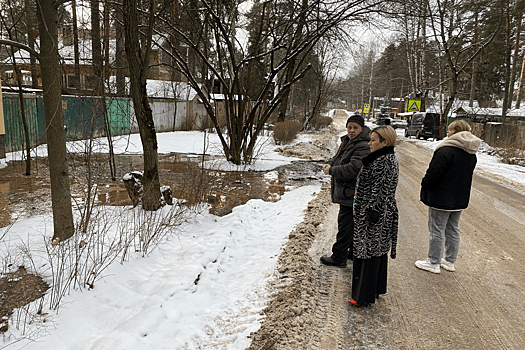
(472, 310)
(328, 320)
(327, 314)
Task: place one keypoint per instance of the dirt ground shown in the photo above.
(480, 306)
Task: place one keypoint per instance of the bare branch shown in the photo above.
(20, 46)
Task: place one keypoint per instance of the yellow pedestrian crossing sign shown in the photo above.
(365, 108)
(414, 106)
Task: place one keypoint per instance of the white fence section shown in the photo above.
(168, 115)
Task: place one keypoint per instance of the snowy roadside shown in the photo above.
(204, 287)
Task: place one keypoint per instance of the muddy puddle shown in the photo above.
(16, 188)
(226, 189)
(182, 172)
(12, 179)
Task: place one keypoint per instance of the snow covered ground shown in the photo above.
(203, 288)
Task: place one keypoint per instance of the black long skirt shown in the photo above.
(369, 279)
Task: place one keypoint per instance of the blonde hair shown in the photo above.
(386, 132)
(458, 126)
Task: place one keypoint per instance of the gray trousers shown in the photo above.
(444, 235)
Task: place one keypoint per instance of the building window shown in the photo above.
(89, 82)
(72, 81)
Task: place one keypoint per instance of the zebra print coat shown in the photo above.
(375, 208)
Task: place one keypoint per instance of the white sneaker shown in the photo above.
(447, 265)
(427, 266)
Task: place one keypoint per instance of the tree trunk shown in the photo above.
(138, 61)
(56, 140)
(370, 98)
(75, 47)
(521, 82)
(506, 78)
(474, 64)
(18, 75)
(424, 84)
(120, 66)
(515, 58)
(284, 102)
(31, 42)
(96, 46)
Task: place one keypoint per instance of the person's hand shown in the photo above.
(326, 169)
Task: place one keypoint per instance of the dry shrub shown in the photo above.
(285, 132)
(511, 155)
(320, 122)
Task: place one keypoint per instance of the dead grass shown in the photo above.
(511, 155)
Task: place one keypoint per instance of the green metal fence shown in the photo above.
(83, 116)
(119, 115)
(14, 127)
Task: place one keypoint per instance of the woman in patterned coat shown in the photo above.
(375, 217)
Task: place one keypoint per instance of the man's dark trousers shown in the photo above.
(344, 246)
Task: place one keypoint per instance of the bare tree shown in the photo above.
(120, 56)
(31, 34)
(515, 61)
(227, 61)
(326, 77)
(76, 51)
(138, 48)
(10, 26)
(448, 21)
(508, 63)
(520, 8)
(521, 82)
(413, 20)
(474, 62)
(64, 228)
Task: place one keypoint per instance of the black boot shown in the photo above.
(328, 260)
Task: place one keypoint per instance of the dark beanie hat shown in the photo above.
(356, 118)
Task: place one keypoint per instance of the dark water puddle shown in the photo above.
(13, 180)
(18, 191)
(226, 189)
(182, 172)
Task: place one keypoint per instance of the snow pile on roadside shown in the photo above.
(204, 286)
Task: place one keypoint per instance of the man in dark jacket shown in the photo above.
(344, 168)
(446, 190)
